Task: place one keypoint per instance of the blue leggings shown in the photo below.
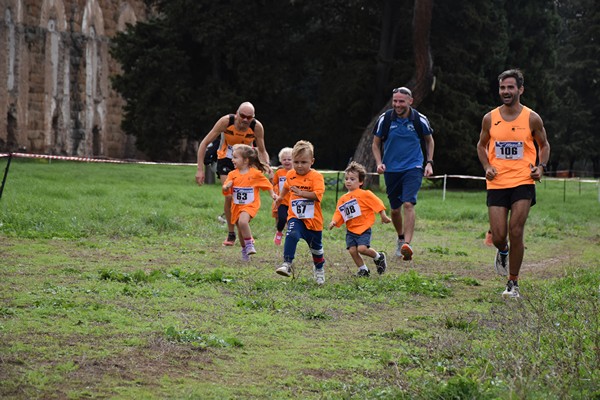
(282, 213)
(296, 231)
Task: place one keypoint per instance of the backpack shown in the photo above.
(210, 156)
(414, 117)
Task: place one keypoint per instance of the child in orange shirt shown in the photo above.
(305, 218)
(243, 183)
(357, 209)
(280, 212)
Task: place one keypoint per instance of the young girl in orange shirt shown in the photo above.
(244, 183)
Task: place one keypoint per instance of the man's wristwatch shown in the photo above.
(429, 162)
(543, 165)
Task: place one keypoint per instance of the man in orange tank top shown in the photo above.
(246, 130)
(507, 152)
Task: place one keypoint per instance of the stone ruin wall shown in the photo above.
(55, 69)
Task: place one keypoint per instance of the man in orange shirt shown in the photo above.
(507, 153)
(305, 217)
(357, 209)
(241, 128)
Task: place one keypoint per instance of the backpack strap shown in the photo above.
(416, 120)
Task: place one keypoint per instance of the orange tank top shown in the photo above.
(511, 150)
(232, 136)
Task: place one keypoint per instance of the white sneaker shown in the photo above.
(319, 275)
(501, 263)
(399, 245)
(511, 291)
(285, 269)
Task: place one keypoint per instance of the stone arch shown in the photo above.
(11, 95)
(96, 79)
(56, 62)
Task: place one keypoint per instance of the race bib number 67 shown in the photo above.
(509, 150)
(303, 209)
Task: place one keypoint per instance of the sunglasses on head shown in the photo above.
(403, 90)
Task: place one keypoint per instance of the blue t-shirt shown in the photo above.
(402, 148)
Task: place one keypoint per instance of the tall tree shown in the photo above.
(420, 83)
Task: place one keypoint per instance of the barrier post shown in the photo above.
(444, 191)
(5, 174)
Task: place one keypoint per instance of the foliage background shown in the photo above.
(310, 68)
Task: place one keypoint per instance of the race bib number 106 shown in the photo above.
(509, 150)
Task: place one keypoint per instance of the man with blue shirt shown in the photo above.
(402, 163)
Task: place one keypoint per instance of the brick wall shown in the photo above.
(55, 68)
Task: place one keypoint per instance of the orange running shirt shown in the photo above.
(278, 182)
(511, 150)
(357, 209)
(231, 137)
(245, 191)
(309, 211)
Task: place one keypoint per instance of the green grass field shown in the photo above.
(115, 285)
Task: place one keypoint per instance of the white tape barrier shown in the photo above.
(86, 159)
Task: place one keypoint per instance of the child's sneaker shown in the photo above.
(319, 274)
(277, 238)
(406, 251)
(363, 273)
(230, 241)
(488, 239)
(512, 290)
(245, 256)
(501, 263)
(285, 269)
(381, 263)
(250, 249)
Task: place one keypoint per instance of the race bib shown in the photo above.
(281, 183)
(350, 209)
(229, 153)
(303, 209)
(509, 150)
(242, 195)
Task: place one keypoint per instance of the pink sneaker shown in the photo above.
(277, 238)
(230, 241)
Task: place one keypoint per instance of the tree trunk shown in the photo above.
(421, 84)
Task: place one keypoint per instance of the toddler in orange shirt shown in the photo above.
(357, 210)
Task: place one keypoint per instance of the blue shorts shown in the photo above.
(354, 240)
(402, 187)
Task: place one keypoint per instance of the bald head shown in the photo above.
(246, 108)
